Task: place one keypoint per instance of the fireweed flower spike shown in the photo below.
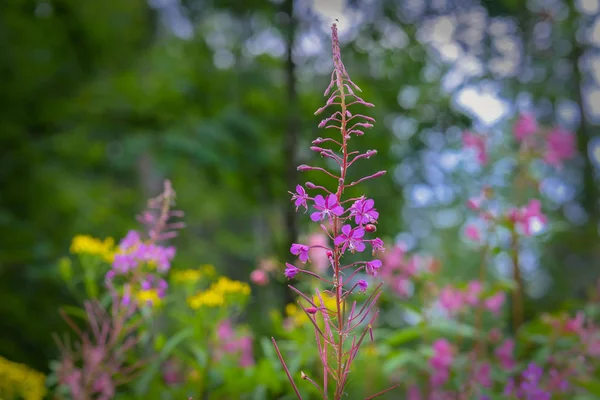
(345, 327)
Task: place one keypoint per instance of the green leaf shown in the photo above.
(405, 335)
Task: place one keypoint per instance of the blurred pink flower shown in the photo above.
(477, 142)
(525, 126)
(259, 277)
(525, 216)
(560, 147)
(575, 325)
(401, 286)
(505, 354)
(318, 255)
(495, 302)
(472, 233)
(413, 393)
(393, 259)
(441, 361)
(451, 299)
(472, 293)
(482, 375)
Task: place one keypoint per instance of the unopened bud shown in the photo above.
(370, 153)
(316, 148)
(303, 375)
(310, 185)
(304, 167)
(329, 254)
(370, 228)
(311, 310)
(322, 123)
(318, 140)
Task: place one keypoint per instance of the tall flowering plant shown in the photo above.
(347, 222)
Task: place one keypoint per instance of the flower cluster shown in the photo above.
(555, 145)
(193, 275)
(231, 343)
(20, 381)
(218, 293)
(85, 244)
(348, 223)
(455, 300)
(139, 264)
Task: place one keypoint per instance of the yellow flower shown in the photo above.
(187, 276)
(85, 244)
(216, 294)
(18, 380)
(299, 318)
(148, 297)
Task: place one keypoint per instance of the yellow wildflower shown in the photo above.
(20, 381)
(148, 297)
(187, 276)
(216, 294)
(85, 244)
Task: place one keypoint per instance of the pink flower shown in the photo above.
(393, 259)
(318, 253)
(300, 197)
(401, 286)
(575, 325)
(482, 375)
(362, 285)
(505, 354)
(441, 361)
(560, 147)
(472, 233)
(525, 126)
(525, 216)
(291, 271)
(474, 141)
(442, 354)
(326, 208)
(472, 293)
(301, 251)
(451, 299)
(494, 303)
(364, 211)
(351, 239)
(259, 277)
(413, 393)
(371, 267)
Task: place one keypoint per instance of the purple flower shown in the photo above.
(326, 207)
(291, 271)
(301, 251)
(300, 197)
(377, 245)
(372, 267)
(364, 211)
(351, 238)
(362, 285)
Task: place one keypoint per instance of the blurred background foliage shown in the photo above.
(101, 101)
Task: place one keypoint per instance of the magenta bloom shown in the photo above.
(351, 239)
(372, 267)
(326, 207)
(472, 293)
(477, 142)
(291, 271)
(482, 375)
(525, 216)
(377, 245)
(494, 303)
(525, 126)
(451, 299)
(300, 197)
(301, 251)
(561, 146)
(472, 233)
(505, 354)
(364, 211)
(362, 285)
(443, 354)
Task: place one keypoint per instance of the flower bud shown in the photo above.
(304, 167)
(316, 148)
(329, 254)
(370, 153)
(370, 228)
(310, 185)
(311, 310)
(318, 140)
